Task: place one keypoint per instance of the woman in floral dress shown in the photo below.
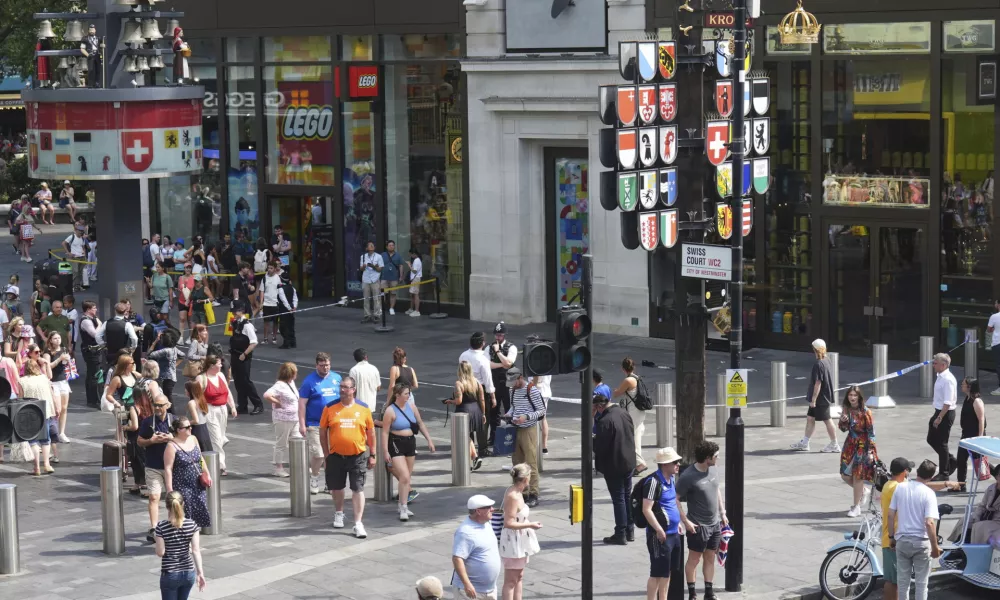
(857, 459)
(182, 467)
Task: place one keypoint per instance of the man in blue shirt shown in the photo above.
(319, 390)
(390, 272)
(475, 553)
(154, 434)
(599, 386)
(663, 515)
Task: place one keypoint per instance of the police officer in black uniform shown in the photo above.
(241, 346)
(93, 352)
(503, 355)
(116, 334)
(288, 302)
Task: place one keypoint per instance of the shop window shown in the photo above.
(969, 36)
(361, 177)
(876, 133)
(877, 38)
(240, 49)
(967, 203)
(424, 171)
(419, 45)
(241, 126)
(776, 47)
(306, 223)
(289, 48)
(357, 47)
(299, 113)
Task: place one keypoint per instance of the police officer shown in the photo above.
(116, 334)
(288, 302)
(93, 352)
(241, 346)
(503, 355)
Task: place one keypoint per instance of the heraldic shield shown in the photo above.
(724, 97)
(668, 228)
(649, 235)
(628, 194)
(647, 104)
(668, 186)
(626, 105)
(668, 102)
(667, 59)
(627, 150)
(724, 220)
(668, 144)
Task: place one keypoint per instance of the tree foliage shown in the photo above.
(18, 32)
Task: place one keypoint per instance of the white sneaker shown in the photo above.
(314, 486)
(404, 514)
(802, 444)
(63, 439)
(855, 511)
(338, 520)
(995, 392)
(359, 530)
(831, 447)
(415, 313)
(392, 311)
(280, 472)
(409, 311)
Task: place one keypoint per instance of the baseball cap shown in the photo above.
(430, 587)
(512, 374)
(179, 241)
(900, 464)
(479, 501)
(66, 182)
(13, 289)
(667, 455)
(818, 343)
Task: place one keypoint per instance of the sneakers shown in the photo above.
(338, 520)
(63, 439)
(280, 472)
(216, 303)
(855, 511)
(802, 444)
(995, 392)
(412, 495)
(476, 463)
(404, 514)
(392, 311)
(831, 447)
(415, 313)
(314, 489)
(359, 530)
(149, 535)
(409, 311)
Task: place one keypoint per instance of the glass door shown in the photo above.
(307, 223)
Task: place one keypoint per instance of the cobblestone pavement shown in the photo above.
(795, 502)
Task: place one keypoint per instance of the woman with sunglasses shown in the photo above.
(35, 384)
(182, 468)
(221, 405)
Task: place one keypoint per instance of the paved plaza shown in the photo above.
(795, 502)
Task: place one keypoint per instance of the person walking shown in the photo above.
(371, 274)
(185, 286)
(699, 486)
(993, 330)
(167, 357)
(35, 384)
(197, 410)
(288, 303)
(26, 233)
(144, 394)
(75, 247)
(526, 409)
(221, 406)
(469, 398)
(201, 296)
(973, 424)
(614, 458)
(319, 389)
(475, 553)
(58, 360)
(347, 433)
(182, 469)
(154, 435)
(858, 458)
(820, 395)
(899, 470)
(503, 356)
(368, 379)
(284, 400)
(429, 588)
(400, 372)
(912, 525)
(416, 274)
(479, 363)
(116, 334)
(945, 402)
(162, 289)
(241, 347)
(518, 541)
(400, 424)
(664, 516)
(627, 390)
(393, 263)
(600, 387)
(270, 286)
(178, 544)
(197, 352)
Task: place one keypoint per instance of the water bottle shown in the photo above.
(786, 322)
(776, 322)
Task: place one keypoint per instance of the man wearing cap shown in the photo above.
(912, 528)
(614, 457)
(475, 553)
(430, 588)
(820, 396)
(527, 408)
(663, 517)
(75, 247)
(503, 355)
(241, 346)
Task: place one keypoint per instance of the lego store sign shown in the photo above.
(363, 81)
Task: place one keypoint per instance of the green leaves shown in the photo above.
(18, 31)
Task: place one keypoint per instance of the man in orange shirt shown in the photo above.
(347, 434)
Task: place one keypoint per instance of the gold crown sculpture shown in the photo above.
(799, 27)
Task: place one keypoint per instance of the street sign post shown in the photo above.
(705, 261)
(736, 388)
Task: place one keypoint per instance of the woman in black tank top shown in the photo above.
(469, 398)
(400, 373)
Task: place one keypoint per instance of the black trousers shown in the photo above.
(964, 456)
(937, 438)
(93, 361)
(245, 389)
(167, 385)
(502, 396)
(286, 327)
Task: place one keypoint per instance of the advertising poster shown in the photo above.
(359, 220)
(244, 214)
(572, 227)
(304, 132)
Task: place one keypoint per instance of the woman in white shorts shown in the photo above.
(58, 360)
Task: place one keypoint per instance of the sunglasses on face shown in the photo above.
(160, 405)
(184, 427)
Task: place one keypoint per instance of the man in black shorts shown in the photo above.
(663, 517)
(698, 485)
(347, 434)
(820, 395)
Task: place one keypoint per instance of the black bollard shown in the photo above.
(384, 328)
(437, 297)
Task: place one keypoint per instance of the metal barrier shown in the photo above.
(664, 415)
(10, 550)
(779, 389)
(214, 494)
(721, 411)
(461, 473)
(383, 478)
(972, 353)
(112, 511)
(298, 464)
(880, 389)
(538, 447)
(926, 371)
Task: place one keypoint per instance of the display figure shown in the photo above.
(91, 48)
(182, 71)
(42, 72)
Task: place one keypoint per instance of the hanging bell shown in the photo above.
(63, 63)
(156, 62)
(132, 33)
(172, 25)
(151, 30)
(142, 64)
(71, 60)
(130, 65)
(45, 30)
(74, 31)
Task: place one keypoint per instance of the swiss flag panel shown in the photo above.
(137, 150)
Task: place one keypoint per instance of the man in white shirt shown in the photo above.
(366, 378)
(912, 528)
(272, 282)
(993, 330)
(945, 401)
(371, 275)
(76, 250)
(480, 363)
(416, 267)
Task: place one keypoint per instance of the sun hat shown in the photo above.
(667, 455)
(479, 501)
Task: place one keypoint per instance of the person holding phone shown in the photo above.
(371, 277)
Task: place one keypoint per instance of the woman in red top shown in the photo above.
(221, 406)
(185, 286)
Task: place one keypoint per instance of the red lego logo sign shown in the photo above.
(363, 81)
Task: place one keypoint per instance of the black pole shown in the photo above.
(385, 307)
(734, 427)
(437, 293)
(587, 448)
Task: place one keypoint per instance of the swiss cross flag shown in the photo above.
(137, 150)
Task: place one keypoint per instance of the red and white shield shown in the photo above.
(747, 217)
(647, 103)
(717, 142)
(724, 97)
(137, 150)
(668, 101)
(668, 144)
(626, 105)
(649, 233)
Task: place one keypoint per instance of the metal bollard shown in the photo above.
(972, 353)
(779, 393)
(383, 478)
(664, 415)
(10, 550)
(298, 464)
(835, 369)
(880, 390)
(926, 371)
(461, 472)
(538, 447)
(112, 511)
(721, 411)
(214, 494)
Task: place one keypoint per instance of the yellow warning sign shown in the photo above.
(170, 138)
(736, 388)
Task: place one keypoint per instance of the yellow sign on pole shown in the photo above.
(736, 388)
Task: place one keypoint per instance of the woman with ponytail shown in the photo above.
(178, 544)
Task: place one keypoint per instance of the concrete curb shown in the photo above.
(935, 586)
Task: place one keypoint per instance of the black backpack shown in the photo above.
(637, 496)
(642, 400)
(147, 257)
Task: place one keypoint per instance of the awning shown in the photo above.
(11, 102)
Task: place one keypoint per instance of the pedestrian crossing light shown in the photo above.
(540, 357)
(574, 329)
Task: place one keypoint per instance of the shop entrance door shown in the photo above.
(307, 223)
(876, 282)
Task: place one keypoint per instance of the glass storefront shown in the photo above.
(307, 222)
(241, 128)
(300, 124)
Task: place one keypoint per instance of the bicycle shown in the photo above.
(852, 567)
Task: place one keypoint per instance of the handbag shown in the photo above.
(204, 479)
(71, 371)
(209, 313)
(982, 468)
(27, 231)
(192, 368)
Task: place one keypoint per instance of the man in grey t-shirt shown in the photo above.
(820, 395)
(698, 485)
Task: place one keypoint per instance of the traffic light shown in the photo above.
(574, 329)
(540, 357)
(21, 420)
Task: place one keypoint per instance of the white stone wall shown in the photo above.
(517, 107)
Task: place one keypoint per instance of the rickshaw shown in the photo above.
(852, 567)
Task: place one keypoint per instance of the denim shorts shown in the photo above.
(50, 431)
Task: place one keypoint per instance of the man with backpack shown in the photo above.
(661, 515)
(614, 457)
